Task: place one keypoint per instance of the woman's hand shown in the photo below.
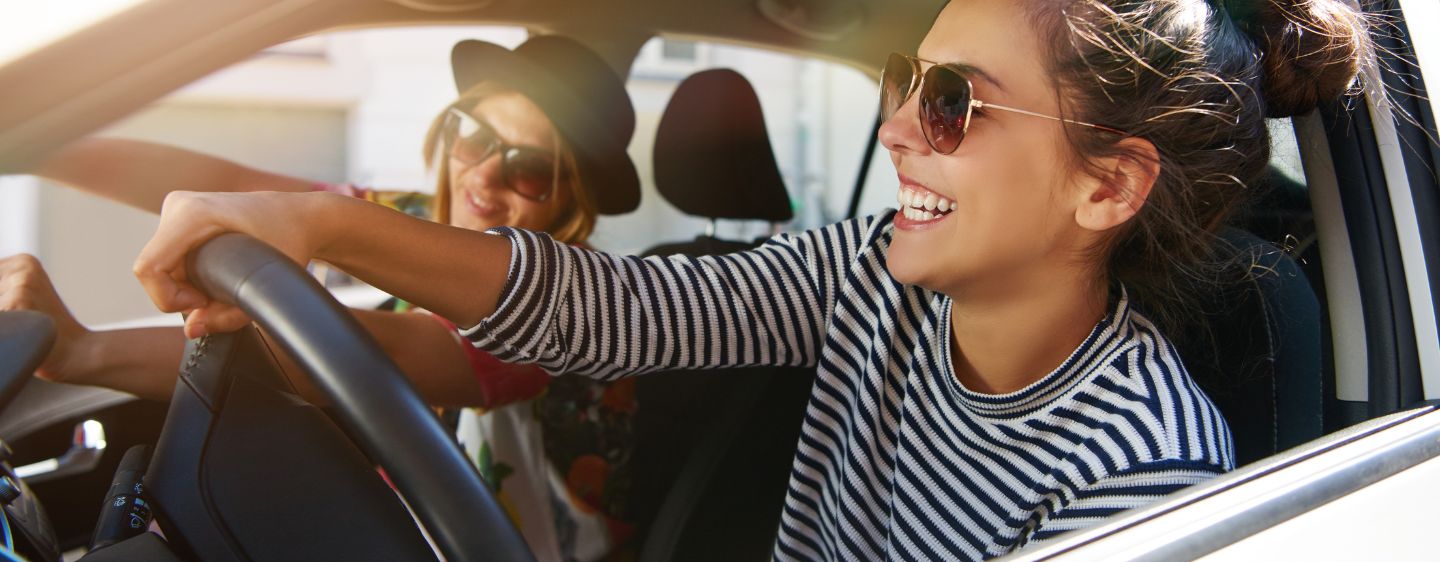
(451, 271)
(286, 221)
(24, 285)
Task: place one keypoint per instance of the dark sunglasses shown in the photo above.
(947, 100)
(531, 172)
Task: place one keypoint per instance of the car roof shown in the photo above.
(105, 72)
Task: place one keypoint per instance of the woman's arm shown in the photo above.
(568, 310)
(140, 174)
(454, 272)
(145, 361)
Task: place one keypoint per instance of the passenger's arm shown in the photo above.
(140, 174)
(145, 361)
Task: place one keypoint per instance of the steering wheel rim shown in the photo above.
(376, 404)
(26, 337)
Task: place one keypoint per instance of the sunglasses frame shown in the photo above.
(917, 81)
(497, 146)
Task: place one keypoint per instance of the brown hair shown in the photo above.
(1196, 81)
(575, 223)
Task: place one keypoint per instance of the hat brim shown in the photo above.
(605, 167)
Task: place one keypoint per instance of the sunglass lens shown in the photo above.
(532, 173)
(895, 81)
(470, 140)
(944, 108)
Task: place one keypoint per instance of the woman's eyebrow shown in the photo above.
(981, 74)
(970, 70)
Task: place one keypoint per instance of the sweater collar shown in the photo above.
(1109, 335)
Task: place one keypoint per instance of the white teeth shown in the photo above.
(927, 216)
(921, 202)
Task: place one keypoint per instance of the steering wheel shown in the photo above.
(374, 402)
(25, 339)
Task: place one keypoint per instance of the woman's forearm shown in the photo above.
(453, 272)
(140, 174)
(140, 361)
(146, 361)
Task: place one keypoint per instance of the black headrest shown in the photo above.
(712, 154)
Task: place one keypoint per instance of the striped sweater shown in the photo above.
(896, 459)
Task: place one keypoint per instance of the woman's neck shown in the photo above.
(1013, 334)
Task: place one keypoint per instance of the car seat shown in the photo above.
(715, 448)
(1255, 348)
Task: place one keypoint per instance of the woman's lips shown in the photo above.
(919, 206)
(479, 207)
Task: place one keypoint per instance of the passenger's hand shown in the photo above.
(189, 219)
(24, 285)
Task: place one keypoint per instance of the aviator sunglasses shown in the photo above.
(531, 172)
(946, 100)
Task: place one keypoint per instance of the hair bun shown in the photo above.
(1310, 49)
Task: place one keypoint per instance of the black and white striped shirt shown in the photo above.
(896, 459)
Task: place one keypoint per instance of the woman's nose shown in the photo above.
(901, 132)
(488, 172)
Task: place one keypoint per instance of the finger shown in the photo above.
(160, 267)
(215, 318)
(225, 318)
(195, 325)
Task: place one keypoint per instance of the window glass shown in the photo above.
(819, 115)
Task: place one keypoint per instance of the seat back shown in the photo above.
(1256, 352)
(715, 448)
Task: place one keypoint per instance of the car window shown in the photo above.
(818, 113)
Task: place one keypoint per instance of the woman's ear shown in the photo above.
(1120, 187)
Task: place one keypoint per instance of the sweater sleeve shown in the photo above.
(1137, 486)
(571, 310)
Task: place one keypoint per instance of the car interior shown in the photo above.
(240, 468)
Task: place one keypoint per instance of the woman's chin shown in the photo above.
(906, 266)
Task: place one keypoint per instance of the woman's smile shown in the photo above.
(480, 208)
(920, 207)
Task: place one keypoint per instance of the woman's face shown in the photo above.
(479, 195)
(1007, 182)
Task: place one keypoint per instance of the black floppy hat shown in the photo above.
(580, 94)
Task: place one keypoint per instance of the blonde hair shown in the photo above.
(576, 221)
